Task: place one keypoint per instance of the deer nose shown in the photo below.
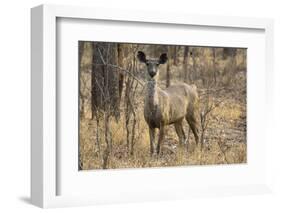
(152, 74)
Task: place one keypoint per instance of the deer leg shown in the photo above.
(180, 132)
(193, 123)
(152, 138)
(160, 139)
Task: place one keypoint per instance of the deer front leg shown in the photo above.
(152, 138)
(160, 140)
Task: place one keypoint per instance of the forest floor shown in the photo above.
(224, 141)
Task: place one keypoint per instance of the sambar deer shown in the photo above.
(172, 105)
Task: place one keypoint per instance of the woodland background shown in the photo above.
(113, 132)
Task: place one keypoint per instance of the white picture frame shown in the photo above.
(44, 153)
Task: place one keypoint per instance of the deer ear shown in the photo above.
(141, 56)
(163, 58)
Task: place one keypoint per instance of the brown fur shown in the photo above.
(169, 106)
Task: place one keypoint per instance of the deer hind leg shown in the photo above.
(180, 132)
(152, 139)
(193, 123)
(160, 139)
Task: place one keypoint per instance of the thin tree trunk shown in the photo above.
(82, 98)
(121, 57)
(168, 75)
(192, 72)
(185, 63)
(214, 66)
(175, 55)
(105, 77)
(81, 50)
(168, 66)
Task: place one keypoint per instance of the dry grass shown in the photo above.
(224, 143)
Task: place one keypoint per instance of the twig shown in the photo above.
(101, 90)
(211, 91)
(223, 152)
(132, 75)
(101, 56)
(124, 70)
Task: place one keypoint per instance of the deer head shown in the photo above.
(152, 64)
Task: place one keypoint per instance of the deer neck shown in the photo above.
(152, 94)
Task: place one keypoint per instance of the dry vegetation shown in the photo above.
(111, 141)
